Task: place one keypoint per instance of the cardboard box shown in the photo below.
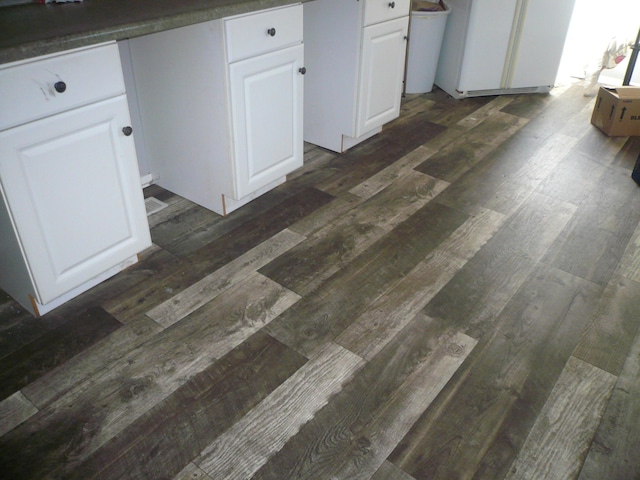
(617, 111)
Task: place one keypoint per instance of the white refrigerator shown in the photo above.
(502, 46)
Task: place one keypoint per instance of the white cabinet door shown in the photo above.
(381, 74)
(266, 110)
(73, 189)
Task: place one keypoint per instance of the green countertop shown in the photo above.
(33, 29)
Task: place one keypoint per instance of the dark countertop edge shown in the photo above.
(90, 37)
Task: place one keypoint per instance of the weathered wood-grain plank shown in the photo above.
(205, 290)
(245, 447)
(303, 268)
(614, 451)
(393, 172)
(90, 362)
(367, 335)
(388, 471)
(183, 272)
(64, 433)
(352, 436)
(52, 349)
(560, 438)
(607, 341)
(456, 158)
(178, 428)
(485, 424)
(14, 410)
(323, 314)
(629, 266)
(594, 241)
(482, 288)
(192, 472)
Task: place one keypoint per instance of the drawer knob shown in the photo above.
(60, 86)
(127, 131)
(392, 4)
(271, 32)
(303, 70)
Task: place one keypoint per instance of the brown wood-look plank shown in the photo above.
(368, 334)
(388, 471)
(14, 410)
(64, 433)
(184, 272)
(614, 451)
(90, 362)
(560, 438)
(481, 289)
(184, 234)
(448, 112)
(352, 436)
(205, 290)
(607, 341)
(594, 241)
(395, 141)
(241, 450)
(393, 172)
(484, 425)
(503, 180)
(456, 158)
(178, 428)
(306, 266)
(19, 328)
(336, 208)
(52, 349)
(192, 472)
(323, 314)
(629, 266)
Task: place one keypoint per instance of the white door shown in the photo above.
(266, 110)
(73, 188)
(381, 74)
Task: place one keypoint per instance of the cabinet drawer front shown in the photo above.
(41, 87)
(263, 32)
(376, 11)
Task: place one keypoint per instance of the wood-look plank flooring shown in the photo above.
(456, 298)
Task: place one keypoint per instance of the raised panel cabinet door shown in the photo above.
(72, 185)
(381, 74)
(266, 110)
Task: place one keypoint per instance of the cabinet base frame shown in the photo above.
(38, 309)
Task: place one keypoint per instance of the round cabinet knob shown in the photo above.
(271, 32)
(127, 131)
(392, 4)
(60, 86)
(303, 70)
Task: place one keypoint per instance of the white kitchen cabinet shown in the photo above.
(72, 211)
(355, 57)
(221, 105)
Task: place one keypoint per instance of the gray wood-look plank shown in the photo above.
(614, 451)
(352, 435)
(205, 290)
(322, 315)
(14, 410)
(561, 436)
(89, 416)
(607, 341)
(456, 297)
(241, 450)
(303, 268)
(489, 417)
